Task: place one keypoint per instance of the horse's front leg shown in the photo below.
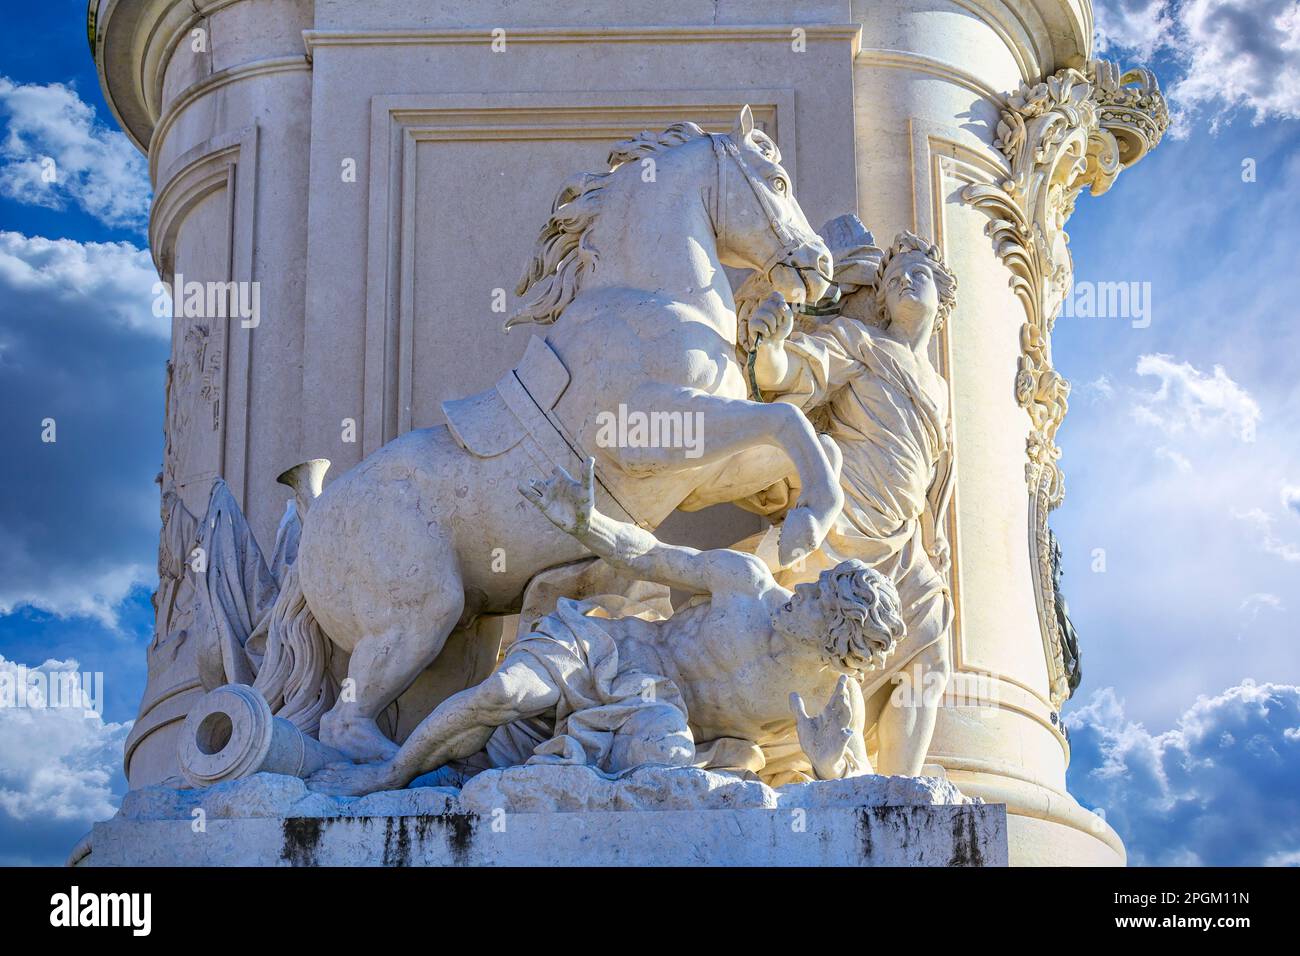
(722, 427)
(745, 474)
(751, 471)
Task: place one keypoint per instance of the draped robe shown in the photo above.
(894, 438)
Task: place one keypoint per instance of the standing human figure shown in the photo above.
(867, 376)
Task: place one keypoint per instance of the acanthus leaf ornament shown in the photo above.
(1075, 130)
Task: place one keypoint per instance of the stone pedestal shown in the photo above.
(880, 836)
(559, 816)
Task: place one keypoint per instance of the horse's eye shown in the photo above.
(780, 185)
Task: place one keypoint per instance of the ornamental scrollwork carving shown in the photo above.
(1073, 131)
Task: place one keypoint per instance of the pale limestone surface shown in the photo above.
(899, 117)
(427, 515)
(719, 683)
(540, 788)
(555, 815)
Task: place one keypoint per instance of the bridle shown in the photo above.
(723, 147)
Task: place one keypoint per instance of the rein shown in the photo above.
(724, 146)
(829, 303)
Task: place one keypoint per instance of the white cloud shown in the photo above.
(60, 772)
(79, 344)
(51, 133)
(1139, 26)
(1291, 498)
(1231, 54)
(1177, 459)
(30, 579)
(115, 279)
(1252, 606)
(1098, 390)
(1262, 524)
(1241, 53)
(1220, 788)
(1253, 603)
(1188, 399)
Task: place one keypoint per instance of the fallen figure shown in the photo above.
(729, 671)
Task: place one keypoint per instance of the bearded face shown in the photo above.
(851, 611)
(802, 618)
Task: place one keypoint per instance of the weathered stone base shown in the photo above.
(560, 816)
(869, 836)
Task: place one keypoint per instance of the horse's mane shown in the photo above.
(564, 254)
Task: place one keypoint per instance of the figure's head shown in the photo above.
(758, 222)
(915, 286)
(851, 610)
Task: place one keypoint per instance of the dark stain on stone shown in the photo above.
(966, 850)
(905, 823)
(864, 815)
(458, 830)
(302, 837)
(406, 837)
(397, 842)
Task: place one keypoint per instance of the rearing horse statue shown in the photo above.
(628, 279)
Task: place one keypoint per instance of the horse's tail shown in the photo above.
(295, 676)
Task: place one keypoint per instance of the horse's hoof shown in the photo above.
(800, 536)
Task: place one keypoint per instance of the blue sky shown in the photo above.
(1181, 526)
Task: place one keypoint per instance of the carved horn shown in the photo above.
(305, 480)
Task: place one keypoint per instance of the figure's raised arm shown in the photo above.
(802, 366)
(571, 506)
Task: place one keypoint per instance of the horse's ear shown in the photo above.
(744, 124)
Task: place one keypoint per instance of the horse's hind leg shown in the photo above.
(386, 662)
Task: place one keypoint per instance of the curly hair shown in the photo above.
(862, 609)
(944, 279)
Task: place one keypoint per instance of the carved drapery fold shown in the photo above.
(1073, 131)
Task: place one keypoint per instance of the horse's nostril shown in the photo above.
(824, 264)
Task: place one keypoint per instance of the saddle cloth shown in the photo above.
(520, 408)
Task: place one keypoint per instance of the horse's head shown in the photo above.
(757, 220)
(747, 201)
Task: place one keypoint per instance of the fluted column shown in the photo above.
(978, 123)
(218, 93)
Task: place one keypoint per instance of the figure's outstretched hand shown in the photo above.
(566, 502)
(832, 740)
